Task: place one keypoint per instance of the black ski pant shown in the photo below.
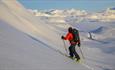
(73, 52)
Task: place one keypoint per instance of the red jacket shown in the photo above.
(69, 37)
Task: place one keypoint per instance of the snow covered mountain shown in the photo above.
(30, 42)
(105, 16)
(60, 13)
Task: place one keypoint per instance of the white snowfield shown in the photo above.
(28, 42)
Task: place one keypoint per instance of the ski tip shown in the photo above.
(79, 61)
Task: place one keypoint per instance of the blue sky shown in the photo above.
(88, 5)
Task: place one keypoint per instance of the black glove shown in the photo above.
(62, 37)
(79, 44)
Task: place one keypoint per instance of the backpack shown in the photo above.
(76, 37)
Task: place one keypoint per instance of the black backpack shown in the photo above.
(76, 37)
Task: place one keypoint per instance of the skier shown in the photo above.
(70, 37)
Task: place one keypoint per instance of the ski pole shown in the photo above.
(65, 47)
(81, 53)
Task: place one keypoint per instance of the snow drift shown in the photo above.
(17, 16)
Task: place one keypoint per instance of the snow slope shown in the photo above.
(29, 42)
(27, 23)
(18, 51)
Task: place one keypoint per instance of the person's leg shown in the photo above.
(74, 52)
(70, 51)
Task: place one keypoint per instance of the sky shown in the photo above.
(88, 5)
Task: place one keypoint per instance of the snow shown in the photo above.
(19, 51)
(33, 42)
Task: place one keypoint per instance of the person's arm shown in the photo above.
(67, 36)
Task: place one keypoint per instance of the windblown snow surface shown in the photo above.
(28, 42)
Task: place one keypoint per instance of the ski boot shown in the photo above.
(78, 60)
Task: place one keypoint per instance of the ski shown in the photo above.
(80, 62)
(68, 56)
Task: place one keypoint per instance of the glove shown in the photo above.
(79, 44)
(62, 37)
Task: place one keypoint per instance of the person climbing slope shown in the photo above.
(72, 37)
